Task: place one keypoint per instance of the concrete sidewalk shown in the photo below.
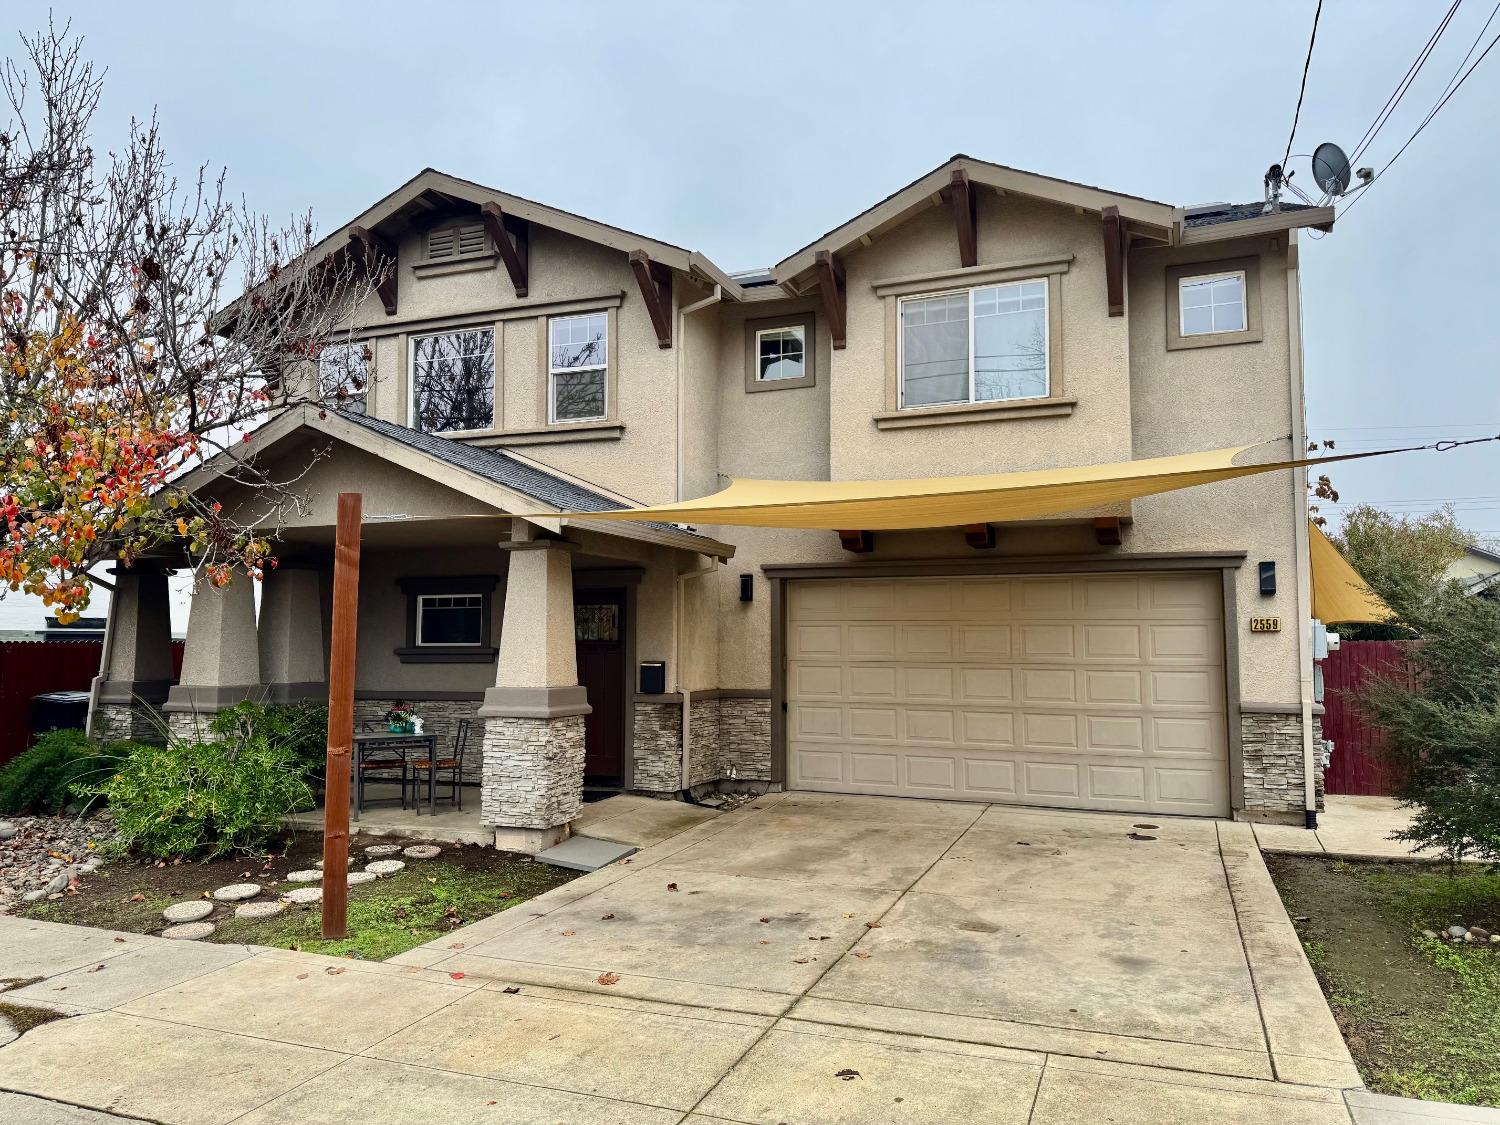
(807, 958)
(1350, 827)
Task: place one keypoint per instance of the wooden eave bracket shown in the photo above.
(655, 281)
(857, 542)
(963, 199)
(831, 288)
(1115, 245)
(378, 256)
(512, 240)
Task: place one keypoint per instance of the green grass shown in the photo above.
(1421, 1015)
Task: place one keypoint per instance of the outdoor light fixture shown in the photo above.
(747, 587)
(1268, 578)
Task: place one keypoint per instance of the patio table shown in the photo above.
(368, 741)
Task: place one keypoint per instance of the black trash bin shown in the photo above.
(59, 710)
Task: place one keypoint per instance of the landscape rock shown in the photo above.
(422, 851)
(301, 896)
(58, 884)
(308, 876)
(8, 830)
(189, 931)
(384, 866)
(237, 892)
(1479, 933)
(33, 896)
(376, 851)
(1457, 931)
(1429, 934)
(258, 910)
(194, 911)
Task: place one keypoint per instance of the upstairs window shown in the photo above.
(781, 353)
(344, 376)
(578, 367)
(980, 345)
(453, 381)
(468, 241)
(1212, 303)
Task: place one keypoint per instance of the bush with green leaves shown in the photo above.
(194, 797)
(300, 727)
(53, 773)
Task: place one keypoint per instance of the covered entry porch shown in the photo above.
(529, 630)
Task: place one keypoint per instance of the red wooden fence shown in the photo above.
(29, 668)
(1358, 765)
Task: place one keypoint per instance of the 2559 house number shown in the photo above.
(1265, 624)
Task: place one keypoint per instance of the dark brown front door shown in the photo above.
(599, 630)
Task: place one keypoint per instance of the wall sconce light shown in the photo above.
(1268, 578)
(747, 587)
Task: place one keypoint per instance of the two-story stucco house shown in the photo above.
(521, 360)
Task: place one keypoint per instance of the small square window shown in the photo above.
(450, 619)
(344, 376)
(1212, 304)
(781, 353)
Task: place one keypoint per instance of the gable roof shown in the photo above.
(492, 476)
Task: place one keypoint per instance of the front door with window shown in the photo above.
(599, 630)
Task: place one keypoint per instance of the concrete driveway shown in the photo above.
(808, 958)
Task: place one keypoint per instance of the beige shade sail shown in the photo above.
(1339, 594)
(924, 502)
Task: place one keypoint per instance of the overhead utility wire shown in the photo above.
(1306, 65)
(1404, 85)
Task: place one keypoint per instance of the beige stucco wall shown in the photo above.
(1472, 566)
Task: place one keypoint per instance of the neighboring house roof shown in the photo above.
(516, 478)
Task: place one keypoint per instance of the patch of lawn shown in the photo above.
(1421, 1015)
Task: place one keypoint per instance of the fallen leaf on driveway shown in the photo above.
(119, 939)
(861, 954)
(302, 976)
(455, 945)
(608, 978)
(569, 933)
(671, 886)
(800, 960)
(872, 925)
(335, 970)
(606, 917)
(512, 990)
(96, 968)
(765, 919)
(848, 914)
(846, 1074)
(456, 976)
(763, 941)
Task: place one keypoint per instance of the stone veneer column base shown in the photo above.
(1271, 748)
(658, 747)
(129, 722)
(533, 775)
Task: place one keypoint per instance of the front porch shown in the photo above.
(527, 629)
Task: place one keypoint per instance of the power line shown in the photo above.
(1306, 65)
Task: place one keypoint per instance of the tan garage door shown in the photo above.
(1093, 691)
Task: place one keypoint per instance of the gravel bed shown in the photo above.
(41, 855)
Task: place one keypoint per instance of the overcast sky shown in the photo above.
(744, 130)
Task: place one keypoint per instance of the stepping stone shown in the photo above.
(237, 892)
(194, 911)
(319, 865)
(308, 876)
(376, 851)
(358, 877)
(584, 853)
(384, 866)
(422, 851)
(256, 910)
(301, 896)
(189, 931)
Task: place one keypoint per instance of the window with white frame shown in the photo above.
(578, 367)
(450, 619)
(1212, 303)
(780, 353)
(986, 344)
(453, 381)
(344, 376)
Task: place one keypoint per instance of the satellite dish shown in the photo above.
(1330, 168)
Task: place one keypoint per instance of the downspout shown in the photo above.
(1299, 506)
(679, 653)
(682, 314)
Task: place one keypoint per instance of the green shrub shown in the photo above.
(45, 778)
(193, 797)
(300, 727)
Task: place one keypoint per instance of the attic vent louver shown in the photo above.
(457, 242)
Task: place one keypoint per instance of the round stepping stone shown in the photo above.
(319, 865)
(422, 851)
(301, 896)
(194, 911)
(384, 866)
(237, 892)
(189, 931)
(255, 910)
(308, 876)
(376, 851)
(358, 877)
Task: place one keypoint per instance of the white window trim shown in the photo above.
(761, 332)
(422, 600)
(411, 374)
(1209, 279)
(971, 400)
(552, 418)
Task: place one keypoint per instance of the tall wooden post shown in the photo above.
(340, 718)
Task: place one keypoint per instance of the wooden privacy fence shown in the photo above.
(29, 668)
(1359, 766)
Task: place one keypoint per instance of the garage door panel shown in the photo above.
(1094, 691)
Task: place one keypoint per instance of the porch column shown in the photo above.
(533, 716)
(221, 661)
(137, 674)
(290, 634)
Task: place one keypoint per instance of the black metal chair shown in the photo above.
(376, 764)
(452, 767)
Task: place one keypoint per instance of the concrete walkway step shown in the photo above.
(584, 853)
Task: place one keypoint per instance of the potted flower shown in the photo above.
(400, 719)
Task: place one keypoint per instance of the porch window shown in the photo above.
(344, 376)
(453, 381)
(578, 367)
(448, 620)
(977, 345)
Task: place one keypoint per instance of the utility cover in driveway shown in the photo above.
(584, 853)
